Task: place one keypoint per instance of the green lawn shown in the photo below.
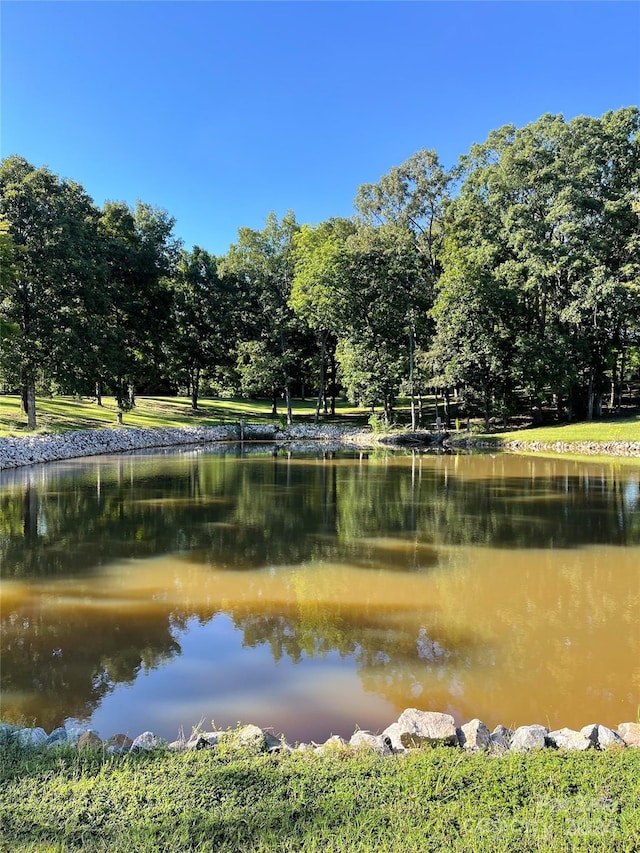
(606, 430)
(433, 800)
(59, 414)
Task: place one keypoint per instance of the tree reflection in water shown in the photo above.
(412, 567)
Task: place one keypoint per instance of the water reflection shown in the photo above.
(321, 592)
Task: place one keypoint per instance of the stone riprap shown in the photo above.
(414, 729)
(33, 449)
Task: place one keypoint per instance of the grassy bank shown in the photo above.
(59, 414)
(429, 800)
(603, 431)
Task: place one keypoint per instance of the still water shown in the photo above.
(314, 593)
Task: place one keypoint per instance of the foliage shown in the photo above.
(228, 801)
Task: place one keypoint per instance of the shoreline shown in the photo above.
(414, 729)
(21, 451)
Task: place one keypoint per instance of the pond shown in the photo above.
(315, 592)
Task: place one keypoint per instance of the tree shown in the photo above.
(380, 268)
(412, 197)
(55, 287)
(201, 318)
(262, 264)
(319, 290)
(142, 254)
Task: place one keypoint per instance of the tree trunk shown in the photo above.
(590, 398)
(411, 385)
(195, 388)
(487, 410)
(24, 403)
(132, 395)
(274, 403)
(31, 404)
(446, 406)
(287, 394)
(332, 377)
(98, 393)
(321, 388)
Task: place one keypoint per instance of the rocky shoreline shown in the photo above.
(16, 452)
(34, 449)
(414, 729)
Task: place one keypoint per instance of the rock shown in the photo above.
(74, 730)
(369, 741)
(474, 735)
(590, 732)
(333, 743)
(608, 739)
(8, 732)
(391, 736)
(275, 744)
(89, 740)
(570, 740)
(630, 734)
(118, 744)
(204, 740)
(501, 738)
(32, 737)
(251, 737)
(58, 737)
(526, 738)
(146, 742)
(426, 728)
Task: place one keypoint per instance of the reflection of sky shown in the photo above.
(218, 679)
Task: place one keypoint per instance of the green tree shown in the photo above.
(412, 197)
(261, 263)
(142, 255)
(319, 291)
(55, 288)
(201, 319)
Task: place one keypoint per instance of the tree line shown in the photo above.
(512, 278)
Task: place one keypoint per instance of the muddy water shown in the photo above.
(314, 594)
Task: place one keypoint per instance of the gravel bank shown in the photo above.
(34, 449)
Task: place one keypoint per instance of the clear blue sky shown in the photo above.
(222, 111)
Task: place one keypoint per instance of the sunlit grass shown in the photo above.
(432, 800)
(599, 431)
(60, 414)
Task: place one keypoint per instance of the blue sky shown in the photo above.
(222, 111)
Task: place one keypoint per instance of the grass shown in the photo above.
(60, 414)
(432, 800)
(610, 429)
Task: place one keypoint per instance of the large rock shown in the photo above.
(58, 737)
(89, 740)
(570, 740)
(608, 739)
(474, 735)
(391, 736)
(630, 734)
(32, 737)
(426, 728)
(526, 738)
(202, 740)
(501, 738)
(332, 744)
(602, 737)
(368, 741)
(147, 741)
(119, 744)
(74, 730)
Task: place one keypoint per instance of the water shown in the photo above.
(313, 593)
